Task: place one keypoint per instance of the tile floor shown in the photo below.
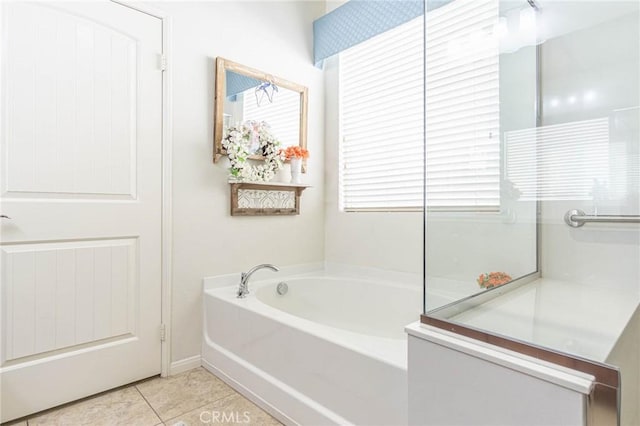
(194, 397)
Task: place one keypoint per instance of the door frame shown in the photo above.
(166, 209)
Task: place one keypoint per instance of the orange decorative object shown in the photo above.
(294, 152)
(493, 279)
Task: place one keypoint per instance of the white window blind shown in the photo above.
(383, 109)
(462, 105)
(283, 114)
(381, 120)
(568, 161)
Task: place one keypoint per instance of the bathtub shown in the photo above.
(332, 350)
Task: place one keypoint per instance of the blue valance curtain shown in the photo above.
(238, 83)
(357, 21)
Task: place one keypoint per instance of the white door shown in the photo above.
(81, 112)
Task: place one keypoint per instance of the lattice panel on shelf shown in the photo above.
(263, 199)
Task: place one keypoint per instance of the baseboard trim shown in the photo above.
(185, 364)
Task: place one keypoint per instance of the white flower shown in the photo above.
(237, 143)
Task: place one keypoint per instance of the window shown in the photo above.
(382, 113)
(283, 114)
(381, 119)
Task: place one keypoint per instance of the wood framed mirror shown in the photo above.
(243, 93)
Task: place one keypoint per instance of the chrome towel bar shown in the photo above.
(576, 218)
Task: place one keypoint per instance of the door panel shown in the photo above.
(71, 105)
(59, 295)
(81, 181)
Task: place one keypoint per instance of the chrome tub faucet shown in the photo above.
(243, 290)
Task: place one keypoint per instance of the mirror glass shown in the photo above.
(246, 94)
(249, 99)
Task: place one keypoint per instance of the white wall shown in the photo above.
(390, 241)
(574, 64)
(333, 4)
(275, 37)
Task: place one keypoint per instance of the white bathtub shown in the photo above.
(330, 351)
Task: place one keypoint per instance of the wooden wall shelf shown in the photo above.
(265, 199)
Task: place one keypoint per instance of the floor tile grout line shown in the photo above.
(236, 392)
(230, 393)
(163, 421)
(29, 418)
(149, 404)
(187, 412)
(231, 388)
(199, 407)
(233, 391)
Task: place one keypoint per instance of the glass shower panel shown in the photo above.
(568, 213)
(481, 85)
(588, 160)
(581, 160)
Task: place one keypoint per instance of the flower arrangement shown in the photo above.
(238, 141)
(295, 152)
(493, 279)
